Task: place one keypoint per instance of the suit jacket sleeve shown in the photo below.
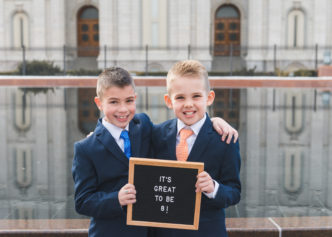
(89, 200)
(229, 191)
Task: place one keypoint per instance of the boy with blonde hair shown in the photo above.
(191, 137)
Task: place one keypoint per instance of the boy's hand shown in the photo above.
(224, 129)
(127, 195)
(204, 183)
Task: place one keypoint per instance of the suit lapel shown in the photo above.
(171, 139)
(104, 137)
(201, 142)
(135, 135)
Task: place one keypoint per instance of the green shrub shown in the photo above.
(39, 68)
(305, 73)
(84, 72)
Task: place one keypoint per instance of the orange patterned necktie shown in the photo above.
(182, 148)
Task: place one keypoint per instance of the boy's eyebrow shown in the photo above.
(175, 95)
(113, 98)
(116, 98)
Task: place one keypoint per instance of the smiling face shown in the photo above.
(188, 98)
(118, 105)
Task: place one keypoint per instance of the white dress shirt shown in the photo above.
(115, 132)
(191, 140)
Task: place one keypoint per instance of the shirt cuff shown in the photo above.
(213, 194)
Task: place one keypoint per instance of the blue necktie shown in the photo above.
(125, 136)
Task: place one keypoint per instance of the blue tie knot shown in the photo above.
(125, 136)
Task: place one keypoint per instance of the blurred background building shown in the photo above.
(285, 134)
(140, 35)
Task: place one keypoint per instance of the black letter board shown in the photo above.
(166, 194)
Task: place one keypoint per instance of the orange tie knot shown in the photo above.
(182, 151)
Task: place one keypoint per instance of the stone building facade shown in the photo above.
(152, 34)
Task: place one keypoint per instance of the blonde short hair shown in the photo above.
(114, 76)
(188, 68)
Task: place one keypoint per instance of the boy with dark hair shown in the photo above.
(101, 161)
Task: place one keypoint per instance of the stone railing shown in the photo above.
(216, 82)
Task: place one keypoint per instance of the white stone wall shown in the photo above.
(184, 27)
(4, 175)
(263, 24)
(56, 34)
(268, 27)
(45, 142)
(270, 190)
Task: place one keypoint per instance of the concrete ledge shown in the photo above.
(216, 82)
(236, 227)
(280, 227)
(47, 227)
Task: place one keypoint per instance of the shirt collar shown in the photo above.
(196, 127)
(114, 130)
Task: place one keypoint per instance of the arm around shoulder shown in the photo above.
(229, 191)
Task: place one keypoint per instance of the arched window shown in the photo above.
(296, 29)
(154, 23)
(227, 31)
(20, 30)
(88, 32)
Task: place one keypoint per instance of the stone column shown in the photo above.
(125, 19)
(56, 30)
(2, 36)
(41, 165)
(2, 24)
(5, 97)
(329, 158)
(106, 31)
(179, 17)
(183, 31)
(321, 21)
(173, 15)
(256, 33)
(200, 31)
(274, 30)
(316, 159)
(254, 157)
(273, 168)
(128, 18)
(38, 26)
(328, 23)
(57, 155)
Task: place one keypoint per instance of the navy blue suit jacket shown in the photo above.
(100, 169)
(221, 161)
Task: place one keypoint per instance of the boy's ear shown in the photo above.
(210, 98)
(168, 101)
(98, 103)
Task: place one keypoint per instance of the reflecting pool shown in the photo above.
(285, 142)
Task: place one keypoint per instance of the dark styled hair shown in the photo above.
(114, 76)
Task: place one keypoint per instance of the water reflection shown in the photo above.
(285, 139)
